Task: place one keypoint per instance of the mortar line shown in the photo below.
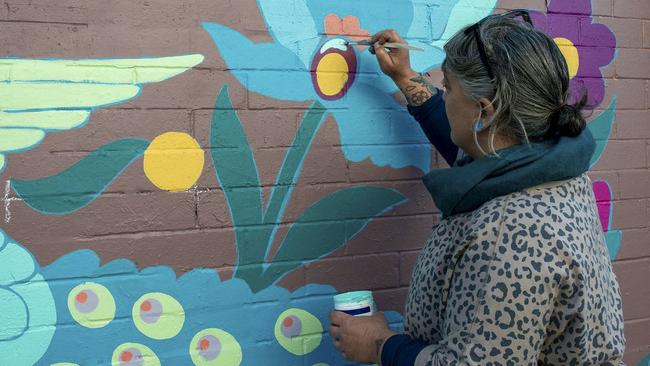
(41, 22)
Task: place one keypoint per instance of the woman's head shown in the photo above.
(518, 88)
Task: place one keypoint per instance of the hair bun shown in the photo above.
(568, 119)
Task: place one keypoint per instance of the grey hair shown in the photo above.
(530, 88)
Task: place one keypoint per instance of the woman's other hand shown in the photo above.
(396, 62)
(359, 338)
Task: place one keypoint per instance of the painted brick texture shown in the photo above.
(194, 243)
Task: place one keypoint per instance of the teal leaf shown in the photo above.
(234, 164)
(601, 129)
(292, 166)
(80, 184)
(328, 224)
(238, 176)
(613, 239)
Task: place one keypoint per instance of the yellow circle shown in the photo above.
(173, 161)
(332, 74)
(570, 53)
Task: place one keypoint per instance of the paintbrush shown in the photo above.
(388, 45)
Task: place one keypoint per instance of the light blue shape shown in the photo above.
(266, 68)
(427, 26)
(373, 16)
(16, 264)
(13, 315)
(428, 59)
(28, 312)
(369, 72)
(291, 24)
(32, 344)
(383, 131)
(464, 12)
(601, 129)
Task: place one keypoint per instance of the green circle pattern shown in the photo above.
(102, 315)
(149, 357)
(229, 355)
(171, 319)
(311, 333)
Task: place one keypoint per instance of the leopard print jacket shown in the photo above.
(523, 280)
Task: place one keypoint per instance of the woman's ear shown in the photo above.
(487, 109)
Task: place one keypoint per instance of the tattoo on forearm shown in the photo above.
(419, 97)
(419, 91)
(420, 79)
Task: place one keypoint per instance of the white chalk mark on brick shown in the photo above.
(7, 201)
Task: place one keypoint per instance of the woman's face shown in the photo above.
(462, 113)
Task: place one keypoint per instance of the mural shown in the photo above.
(310, 59)
(119, 315)
(326, 225)
(77, 312)
(134, 317)
(29, 314)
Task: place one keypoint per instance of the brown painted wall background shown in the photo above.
(133, 219)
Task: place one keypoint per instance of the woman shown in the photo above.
(517, 271)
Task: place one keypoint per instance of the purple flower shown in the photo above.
(587, 46)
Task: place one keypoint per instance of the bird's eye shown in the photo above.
(158, 315)
(134, 354)
(333, 69)
(215, 347)
(91, 305)
(298, 331)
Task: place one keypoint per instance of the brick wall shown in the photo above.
(138, 136)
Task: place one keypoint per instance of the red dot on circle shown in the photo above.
(145, 306)
(126, 356)
(204, 344)
(82, 297)
(287, 322)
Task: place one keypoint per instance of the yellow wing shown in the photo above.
(38, 96)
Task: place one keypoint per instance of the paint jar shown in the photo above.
(357, 303)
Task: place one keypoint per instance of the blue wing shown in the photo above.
(266, 68)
